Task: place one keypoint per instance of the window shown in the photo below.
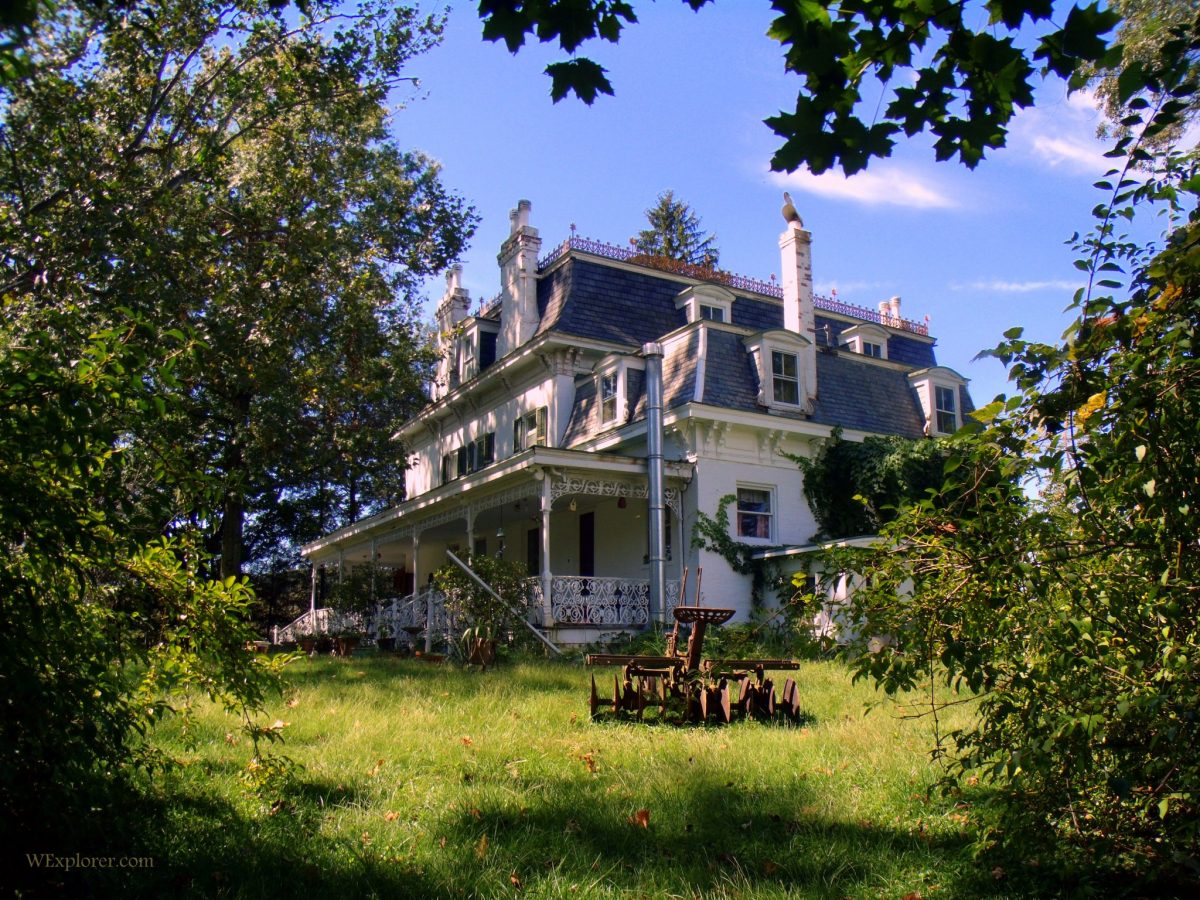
(470, 367)
(754, 513)
(530, 430)
(869, 348)
(946, 411)
(712, 313)
(785, 380)
(608, 397)
(449, 466)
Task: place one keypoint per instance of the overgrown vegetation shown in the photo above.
(854, 487)
(1073, 611)
(211, 248)
(432, 781)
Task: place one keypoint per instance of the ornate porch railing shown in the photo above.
(318, 622)
(613, 602)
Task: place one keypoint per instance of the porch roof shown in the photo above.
(533, 465)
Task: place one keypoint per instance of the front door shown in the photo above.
(587, 544)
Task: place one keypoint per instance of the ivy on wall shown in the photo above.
(854, 488)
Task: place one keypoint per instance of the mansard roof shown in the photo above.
(596, 300)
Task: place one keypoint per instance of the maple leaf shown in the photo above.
(640, 818)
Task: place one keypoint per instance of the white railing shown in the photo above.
(317, 623)
(400, 614)
(580, 600)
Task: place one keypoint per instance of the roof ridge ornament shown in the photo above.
(790, 215)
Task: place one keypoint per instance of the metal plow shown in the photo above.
(687, 687)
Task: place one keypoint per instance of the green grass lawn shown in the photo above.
(429, 781)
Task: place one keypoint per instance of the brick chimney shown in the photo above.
(518, 260)
(799, 315)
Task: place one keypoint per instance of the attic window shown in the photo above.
(785, 378)
(608, 397)
(946, 409)
(705, 303)
(867, 339)
(938, 389)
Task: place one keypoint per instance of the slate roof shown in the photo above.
(589, 299)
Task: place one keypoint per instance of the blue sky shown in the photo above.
(978, 252)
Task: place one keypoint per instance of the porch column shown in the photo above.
(544, 535)
(470, 532)
(341, 564)
(312, 594)
(416, 546)
(374, 556)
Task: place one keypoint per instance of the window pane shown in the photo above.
(608, 398)
(783, 365)
(754, 513)
(712, 313)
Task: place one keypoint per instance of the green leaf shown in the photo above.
(581, 76)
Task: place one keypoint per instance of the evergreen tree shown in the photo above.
(675, 233)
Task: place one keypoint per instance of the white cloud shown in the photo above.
(1062, 134)
(1000, 286)
(884, 184)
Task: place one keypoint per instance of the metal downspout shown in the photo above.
(653, 354)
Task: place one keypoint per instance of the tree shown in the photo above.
(1145, 26)
(228, 172)
(675, 233)
(963, 76)
(1071, 613)
(209, 242)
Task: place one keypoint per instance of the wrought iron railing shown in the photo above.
(740, 282)
(614, 602)
(319, 623)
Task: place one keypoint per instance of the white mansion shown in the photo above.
(534, 442)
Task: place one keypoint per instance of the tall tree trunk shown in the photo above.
(233, 512)
(233, 518)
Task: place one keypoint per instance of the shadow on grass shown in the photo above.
(179, 843)
(711, 835)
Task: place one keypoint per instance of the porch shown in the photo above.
(578, 521)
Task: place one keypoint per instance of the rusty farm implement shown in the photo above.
(686, 686)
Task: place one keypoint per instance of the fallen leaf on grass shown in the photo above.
(590, 761)
(391, 816)
(770, 868)
(476, 814)
(375, 770)
(442, 843)
(466, 740)
(912, 895)
(640, 818)
(515, 879)
(366, 838)
(481, 848)
(293, 703)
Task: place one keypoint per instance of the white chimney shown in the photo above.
(518, 260)
(799, 315)
(455, 306)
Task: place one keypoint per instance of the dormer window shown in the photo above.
(945, 409)
(785, 378)
(866, 339)
(705, 302)
(938, 391)
(608, 397)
